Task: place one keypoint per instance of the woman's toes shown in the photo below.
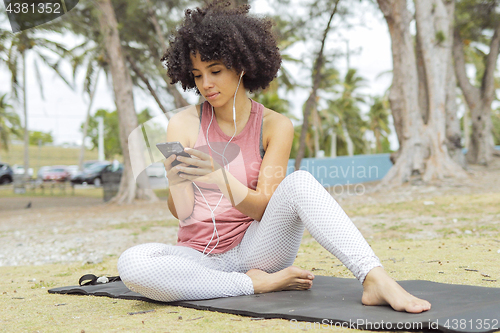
(290, 278)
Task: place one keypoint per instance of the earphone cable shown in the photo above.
(224, 160)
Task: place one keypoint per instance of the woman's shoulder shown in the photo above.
(184, 125)
(275, 125)
(186, 114)
(276, 120)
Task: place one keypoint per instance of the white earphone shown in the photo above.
(215, 232)
(234, 101)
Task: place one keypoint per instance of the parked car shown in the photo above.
(114, 168)
(91, 175)
(156, 170)
(57, 173)
(19, 170)
(111, 177)
(40, 172)
(87, 164)
(72, 169)
(6, 174)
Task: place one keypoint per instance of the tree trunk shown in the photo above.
(172, 90)
(423, 154)
(480, 149)
(348, 140)
(453, 133)
(378, 142)
(466, 125)
(333, 146)
(124, 99)
(403, 96)
(423, 98)
(435, 33)
(478, 99)
(311, 101)
(26, 129)
(315, 128)
(144, 79)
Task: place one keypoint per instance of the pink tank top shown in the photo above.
(244, 157)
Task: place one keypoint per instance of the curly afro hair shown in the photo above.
(231, 35)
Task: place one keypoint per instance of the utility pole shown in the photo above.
(333, 146)
(39, 153)
(100, 129)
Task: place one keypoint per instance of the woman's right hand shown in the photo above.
(173, 173)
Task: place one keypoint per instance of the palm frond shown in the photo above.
(39, 78)
(55, 67)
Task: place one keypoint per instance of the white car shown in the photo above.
(73, 170)
(156, 170)
(19, 170)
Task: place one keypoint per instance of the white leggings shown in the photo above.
(170, 273)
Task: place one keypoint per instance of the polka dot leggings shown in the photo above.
(170, 273)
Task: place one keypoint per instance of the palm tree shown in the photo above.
(287, 35)
(316, 76)
(93, 59)
(320, 131)
(496, 126)
(9, 123)
(133, 60)
(273, 101)
(379, 121)
(345, 115)
(147, 23)
(14, 51)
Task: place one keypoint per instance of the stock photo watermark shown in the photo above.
(366, 324)
(27, 14)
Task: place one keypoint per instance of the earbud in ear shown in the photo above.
(242, 72)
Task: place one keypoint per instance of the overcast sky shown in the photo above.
(63, 110)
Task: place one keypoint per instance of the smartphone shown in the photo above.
(169, 148)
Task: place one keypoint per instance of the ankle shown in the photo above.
(375, 276)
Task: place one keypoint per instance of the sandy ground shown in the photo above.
(68, 229)
(76, 229)
(430, 208)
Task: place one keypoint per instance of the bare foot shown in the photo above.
(380, 289)
(290, 278)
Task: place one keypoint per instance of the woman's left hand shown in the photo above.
(203, 167)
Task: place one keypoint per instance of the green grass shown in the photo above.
(146, 225)
(7, 191)
(45, 156)
(471, 259)
(28, 307)
(445, 205)
(90, 192)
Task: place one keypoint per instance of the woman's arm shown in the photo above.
(171, 206)
(253, 203)
(272, 171)
(181, 194)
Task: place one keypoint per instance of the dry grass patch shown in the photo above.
(46, 155)
(442, 205)
(29, 308)
(437, 217)
(458, 260)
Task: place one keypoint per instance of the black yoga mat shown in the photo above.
(336, 302)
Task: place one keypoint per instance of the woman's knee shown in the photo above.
(298, 180)
(299, 175)
(134, 260)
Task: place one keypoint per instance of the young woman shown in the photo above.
(241, 219)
